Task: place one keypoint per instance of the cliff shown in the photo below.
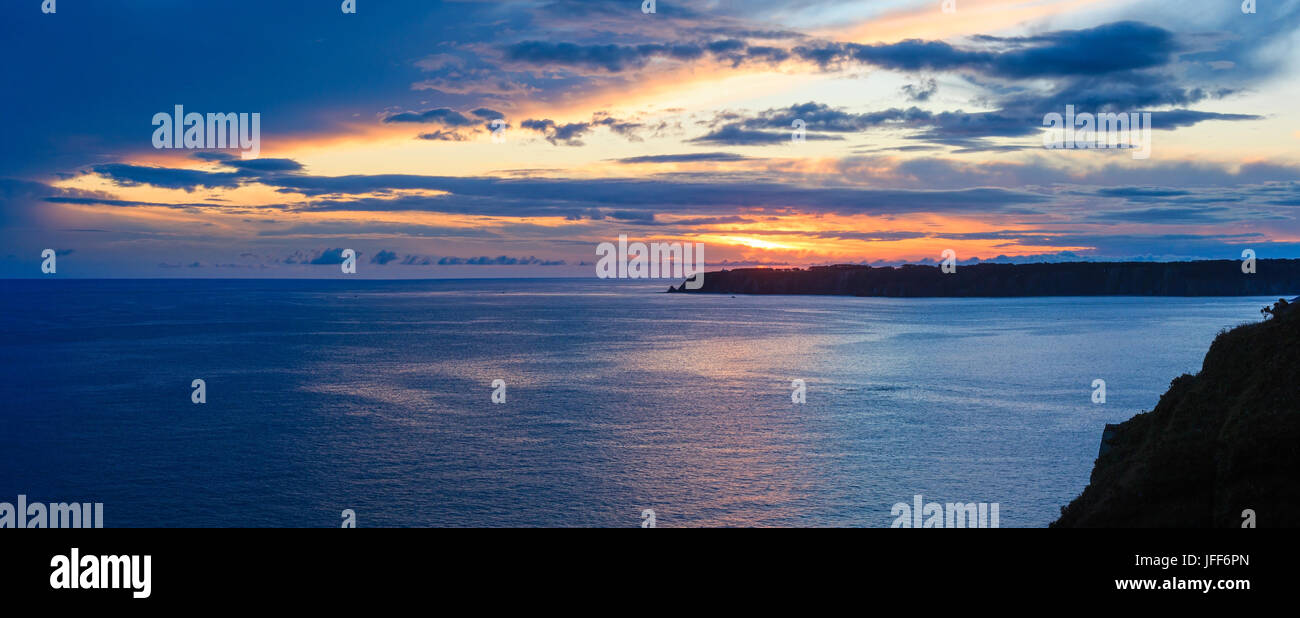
(1219, 442)
(1203, 278)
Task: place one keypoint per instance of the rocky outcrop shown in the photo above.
(1203, 278)
(1218, 443)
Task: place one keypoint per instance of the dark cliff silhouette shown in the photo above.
(1202, 278)
(1218, 443)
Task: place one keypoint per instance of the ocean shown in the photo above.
(377, 396)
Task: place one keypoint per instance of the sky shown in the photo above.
(510, 139)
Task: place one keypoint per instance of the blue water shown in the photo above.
(376, 397)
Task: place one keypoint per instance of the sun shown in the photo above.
(754, 242)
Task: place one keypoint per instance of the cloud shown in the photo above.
(736, 135)
(577, 197)
(609, 57)
(922, 90)
(1108, 48)
(128, 175)
(952, 128)
(444, 116)
(693, 157)
(935, 185)
(1172, 119)
(964, 130)
(1118, 66)
(323, 257)
(443, 136)
(501, 260)
(1105, 49)
(449, 120)
(570, 134)
(168, 178)
(263, 165)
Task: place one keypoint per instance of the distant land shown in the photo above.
(1199, 278)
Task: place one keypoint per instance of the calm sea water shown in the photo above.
(376, 397)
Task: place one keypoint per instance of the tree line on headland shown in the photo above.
(1199, 278)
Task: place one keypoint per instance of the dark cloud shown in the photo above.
(126, 203)
(263, 165)
(500, 260)
(1105, 49)
(1178, 216)
(609, 57)
(488, 114)
(443, 136)
(1173, 193)
(922, 90)
(127, 175)
(1133, 193)
(575, 198)
(444, 116)
(329, 256)
(964, 130)
(169, 178)
(320, 257)
(1172, 119)
(615, 58)
(570, 134)
(453, 124)
(692, 157)
(1121, 66)
(736, 135)
(950, 128)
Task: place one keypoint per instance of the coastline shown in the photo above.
(1273, 278)
(1219, 447)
